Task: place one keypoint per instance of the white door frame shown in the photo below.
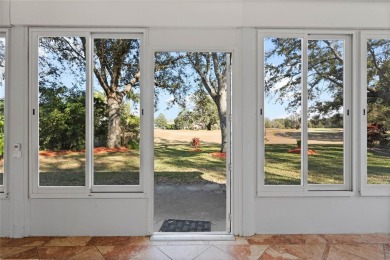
(218, 235)
(174, 41)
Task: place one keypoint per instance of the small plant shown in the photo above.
(133, 144)
(195, 142)
(376, 134)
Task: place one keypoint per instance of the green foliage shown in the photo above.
(61, 118)
(184, 120)
(378, 81)
(325, 74)
(205, 111)
(161, 121)
(130, 127)
(100, 123)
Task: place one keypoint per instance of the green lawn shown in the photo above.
(283, 168)
(181, 164)
(378, 169)
(174, 163)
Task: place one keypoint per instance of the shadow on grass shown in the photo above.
(283, 167)
(185, 157)
(190, 177)
(314, 136)
(276, 179)
(78, 178)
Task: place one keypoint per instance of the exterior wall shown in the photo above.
(193, 25)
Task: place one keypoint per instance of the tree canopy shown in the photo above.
(179, 72)
(283, 70)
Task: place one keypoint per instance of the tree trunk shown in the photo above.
(114, 111)
(222, 112)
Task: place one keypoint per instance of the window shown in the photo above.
(376, 113)
(86, 112)
(304, 113)
(116, 111)
(3, 87)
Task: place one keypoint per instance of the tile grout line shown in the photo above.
(209, 245)
(263, 251)
(163, 252)
(99, 251)
(325, 254)
(351, 252)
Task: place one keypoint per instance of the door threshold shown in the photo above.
(192, 236)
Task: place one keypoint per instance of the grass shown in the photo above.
(174, 163)
(283, 168)
(378, 167)
(178, 163)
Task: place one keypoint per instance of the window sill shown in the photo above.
(305, 194)
(89, 196)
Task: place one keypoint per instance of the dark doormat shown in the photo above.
(178, 225)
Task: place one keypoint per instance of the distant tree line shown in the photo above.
(203, 114)
(294, 122)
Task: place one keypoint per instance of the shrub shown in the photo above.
(376, 134)
(133, 144)
(195, 142)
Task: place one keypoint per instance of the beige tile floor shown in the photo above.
(357, 246)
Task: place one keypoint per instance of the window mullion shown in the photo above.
(304, 98)
(89, 114)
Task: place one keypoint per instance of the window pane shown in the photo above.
(282, 110)
(2, 105)
(116, 111)
(325, 111)
(62, 88)
(378, 111)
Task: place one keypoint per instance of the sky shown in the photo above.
(170, 113)
(272, 109)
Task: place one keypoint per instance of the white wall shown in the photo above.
(190, 13)
(88, 217)
(322, 215)
(20, 216)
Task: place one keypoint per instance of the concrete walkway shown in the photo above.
(206, 202)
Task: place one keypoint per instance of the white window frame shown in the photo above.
(365, 188)
(117, 188)
(306, 189)
(87, 191)
(4, 33)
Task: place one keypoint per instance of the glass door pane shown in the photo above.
(282, 110)
(62, 88)
(378, 111)
(325, 115)
(116, 105)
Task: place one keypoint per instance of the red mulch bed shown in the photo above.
(219, 155)
(96, 150)
(298, 151)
